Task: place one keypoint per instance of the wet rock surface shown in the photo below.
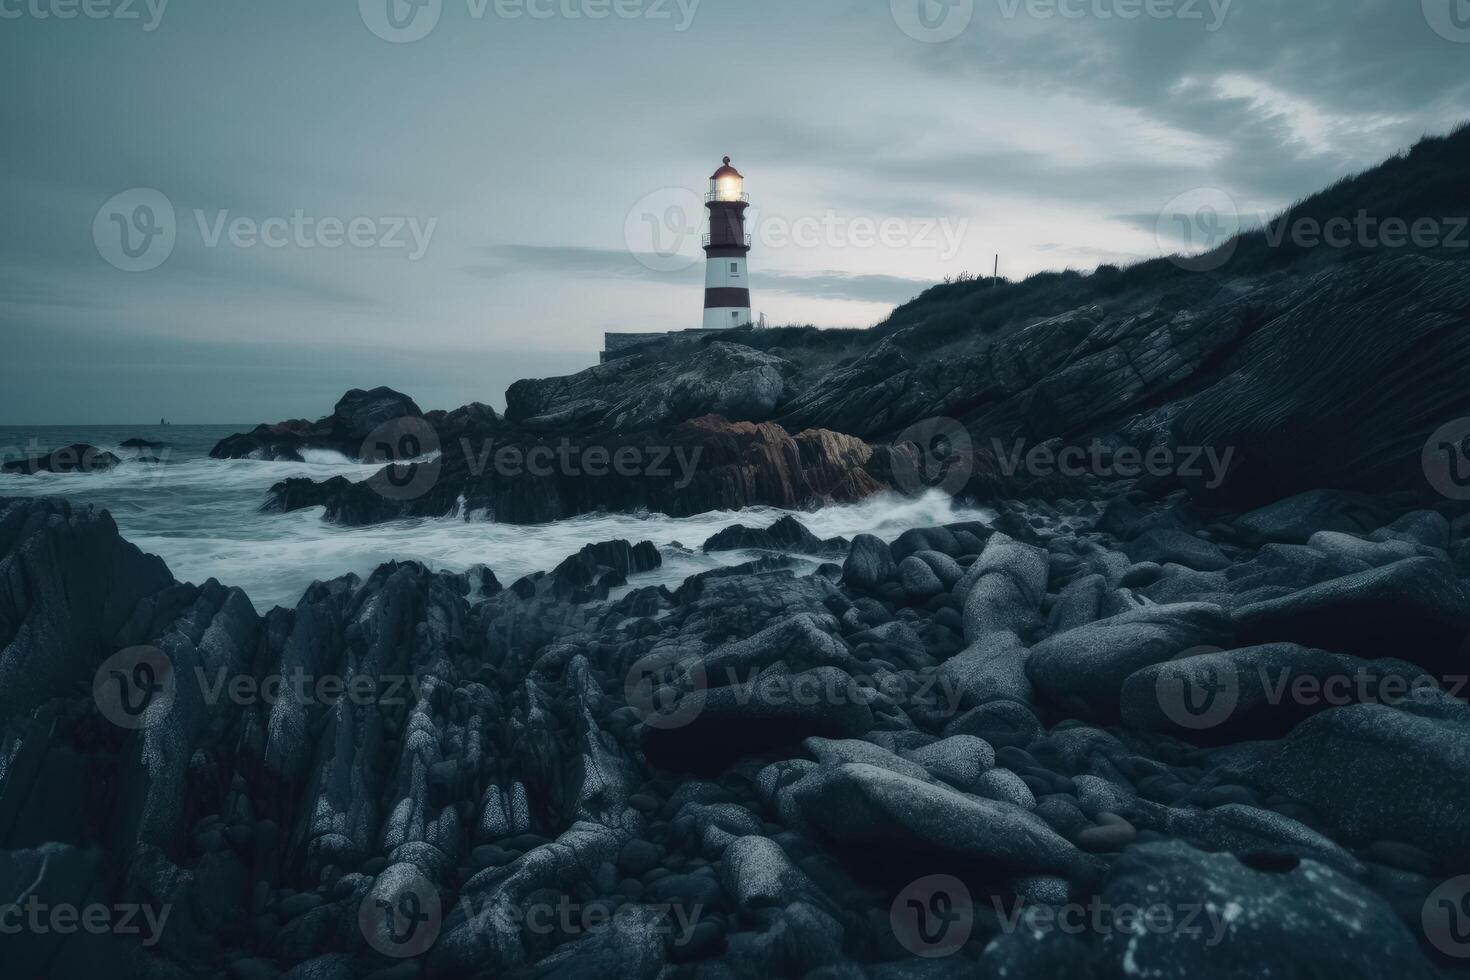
(757, 774)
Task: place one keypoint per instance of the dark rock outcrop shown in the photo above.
(78, 458)
(356, 415)
(697, 466)
(635, 394)
(743, 773)
(786, 534)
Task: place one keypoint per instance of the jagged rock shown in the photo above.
(701, 465)
(356, 415)
(632, 393)
(75, 593)
(1393, 329)
(787, 534)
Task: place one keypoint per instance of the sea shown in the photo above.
(203, 517)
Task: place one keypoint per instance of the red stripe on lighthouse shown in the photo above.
(717, 297)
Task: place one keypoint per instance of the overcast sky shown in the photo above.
(449, 196)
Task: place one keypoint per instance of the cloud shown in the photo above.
(508, 260)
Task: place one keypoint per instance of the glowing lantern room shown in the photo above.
(726, 184)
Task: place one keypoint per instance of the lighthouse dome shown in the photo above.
(727, 171)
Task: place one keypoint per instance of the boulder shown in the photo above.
(787, 534)
(1085, 668)
(869, 564)
(1228, 918)
(1261, 691)
(1295, 519)
(1003, 590)
(1414, 607)
(1377, 773)
(958, 760)
(766, 711)
(860, 804)
(1174, 546)
(758, 874)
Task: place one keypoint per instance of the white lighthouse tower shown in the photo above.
(726, 280)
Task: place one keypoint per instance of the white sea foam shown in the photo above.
(203, 517)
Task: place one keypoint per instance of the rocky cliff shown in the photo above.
(1306, 366)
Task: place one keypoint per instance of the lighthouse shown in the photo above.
(726, 282)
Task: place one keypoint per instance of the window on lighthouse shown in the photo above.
(735, 269)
